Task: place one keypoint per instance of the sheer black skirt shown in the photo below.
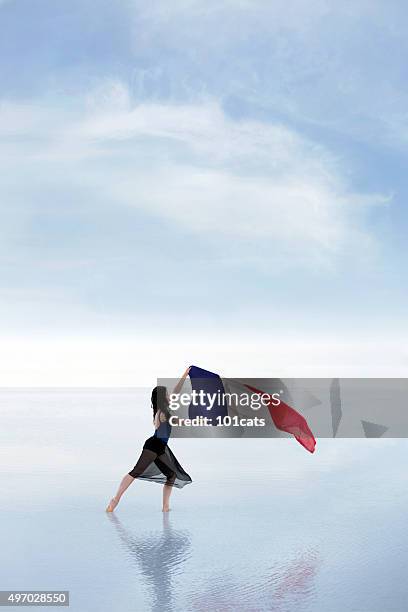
(158, 464)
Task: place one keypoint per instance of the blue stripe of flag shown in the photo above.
(202, 380)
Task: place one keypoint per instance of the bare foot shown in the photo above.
(112, 505)
(166, 509)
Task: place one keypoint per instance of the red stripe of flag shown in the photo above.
(287, 419)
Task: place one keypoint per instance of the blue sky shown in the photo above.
(189, 170)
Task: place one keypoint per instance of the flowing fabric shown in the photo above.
(157, 463)
(282, 416)
(287, 419)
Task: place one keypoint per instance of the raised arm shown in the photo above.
(180, 383)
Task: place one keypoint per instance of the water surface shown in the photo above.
(264, 526)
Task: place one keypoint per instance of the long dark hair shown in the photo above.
(160, 401)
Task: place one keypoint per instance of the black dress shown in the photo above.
(157, 462)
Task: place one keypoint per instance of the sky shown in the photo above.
(219, 183)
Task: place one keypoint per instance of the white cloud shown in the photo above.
(333, 65)
(200, 170)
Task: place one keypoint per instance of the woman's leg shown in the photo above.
(146, 458)
(167, 489)
(124, 484)
(170, 474)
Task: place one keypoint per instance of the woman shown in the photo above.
(157, 463)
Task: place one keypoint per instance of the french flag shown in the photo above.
(282, 416)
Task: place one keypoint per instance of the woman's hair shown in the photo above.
(160, 401)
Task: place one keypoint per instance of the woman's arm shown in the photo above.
(180, 383)
(159, 418)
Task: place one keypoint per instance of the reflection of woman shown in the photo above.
(159, 556)
(157, 463)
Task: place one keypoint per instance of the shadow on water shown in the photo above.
(159, 556)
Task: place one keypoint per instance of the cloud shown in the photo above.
(260, 186)
(319, 63)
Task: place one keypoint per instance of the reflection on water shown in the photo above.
(159, 556)
(295, 581)
(279, 588)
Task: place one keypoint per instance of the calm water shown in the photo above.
(264, 526)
